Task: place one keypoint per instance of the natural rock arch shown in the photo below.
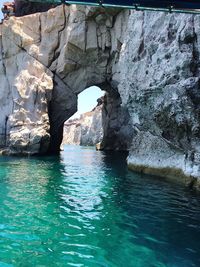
(116, 121)
(55, 56)
(149, 61)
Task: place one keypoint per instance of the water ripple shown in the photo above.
(86, 209)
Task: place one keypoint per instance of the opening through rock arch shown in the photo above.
(85, 126)
(115, 118)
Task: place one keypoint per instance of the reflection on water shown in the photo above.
(86, 209)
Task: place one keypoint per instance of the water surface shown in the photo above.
(85, 208)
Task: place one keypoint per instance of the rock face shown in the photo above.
(86, 130)
(160, 86)
(47, 59)
(148, 64)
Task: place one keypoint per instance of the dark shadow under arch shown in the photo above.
(117, 130)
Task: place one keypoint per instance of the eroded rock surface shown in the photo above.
(148, 63)
(47, 59)
(160, 86)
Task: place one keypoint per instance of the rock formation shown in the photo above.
(47, 60)
(86, 130)
(160, 86)
(147, 62)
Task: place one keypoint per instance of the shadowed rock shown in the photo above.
(26, 8)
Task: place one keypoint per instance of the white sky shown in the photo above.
(87, 100)
(1, 3)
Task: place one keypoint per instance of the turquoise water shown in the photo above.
(85, 208)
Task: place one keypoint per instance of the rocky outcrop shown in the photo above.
(148, 64)
(160, 86)
(86, 130)
(47, 60)
(117, 128)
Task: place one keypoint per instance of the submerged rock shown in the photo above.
(147, 62)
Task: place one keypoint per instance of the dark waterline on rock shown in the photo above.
(86, 209)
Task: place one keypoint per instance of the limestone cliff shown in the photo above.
(86, 130)
(159, 83)
(47, 59)
(147, 62)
